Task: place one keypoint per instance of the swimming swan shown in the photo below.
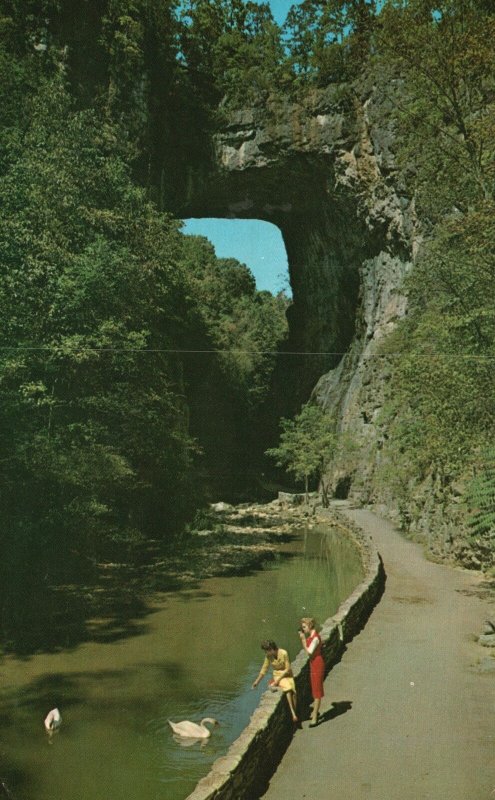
(192, 729)
(53, 720)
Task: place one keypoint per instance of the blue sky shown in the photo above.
(281, 7)
(257, 244)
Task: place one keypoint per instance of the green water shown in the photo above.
(196, 655)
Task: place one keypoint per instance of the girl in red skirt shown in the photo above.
(311, 642)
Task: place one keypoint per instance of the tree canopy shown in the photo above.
(440, 410)
(109, 430)
(308, 443)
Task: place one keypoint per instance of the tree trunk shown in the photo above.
(324, 494)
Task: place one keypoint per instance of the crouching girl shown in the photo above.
(278, 660)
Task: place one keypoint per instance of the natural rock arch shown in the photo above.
(324, 172)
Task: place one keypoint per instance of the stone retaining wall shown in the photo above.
(243, 773)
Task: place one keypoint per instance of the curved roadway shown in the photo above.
(408, 712)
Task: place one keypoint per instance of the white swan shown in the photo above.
(192, 729)
(53, 720)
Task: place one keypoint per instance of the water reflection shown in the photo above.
(189, 742)
(196, 655)
(49, 609)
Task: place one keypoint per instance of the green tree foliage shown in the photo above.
(231, 48)
(307, 445)
(101, 299)
(445, 54)
(328, 40)
(441, 408)
(480, 498)
(443, 379)
(139, 44)
(229, 386)
(91, 299)
(245, 326)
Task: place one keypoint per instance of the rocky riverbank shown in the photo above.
(233, 540)
(222, 540)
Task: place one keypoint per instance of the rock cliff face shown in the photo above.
(324, 172)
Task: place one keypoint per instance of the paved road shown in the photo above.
(409, 711)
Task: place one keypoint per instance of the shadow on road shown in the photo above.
(338, 708)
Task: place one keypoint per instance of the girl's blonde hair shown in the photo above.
(310, 621)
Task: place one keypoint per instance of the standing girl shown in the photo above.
(311, 642)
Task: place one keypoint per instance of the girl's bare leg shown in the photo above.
(292, 705)
(316, 711)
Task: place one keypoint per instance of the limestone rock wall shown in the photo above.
(324, 171)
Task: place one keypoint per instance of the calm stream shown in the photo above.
(194, 656)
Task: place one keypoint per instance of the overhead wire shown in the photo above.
(233, 351)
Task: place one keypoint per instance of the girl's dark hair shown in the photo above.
(269, 644)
